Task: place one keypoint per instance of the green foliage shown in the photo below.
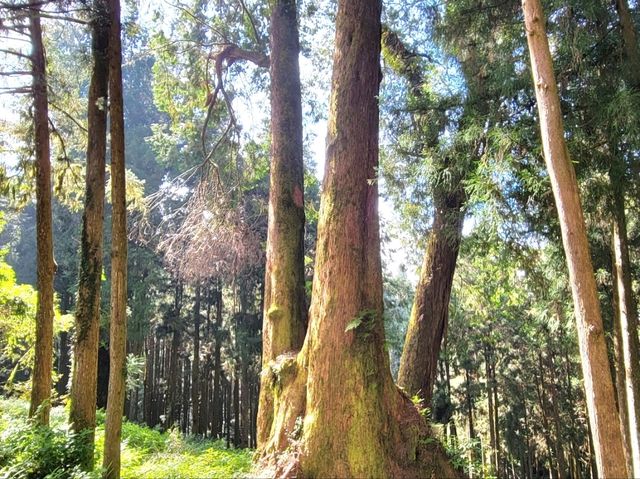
(17, 322)
(31, 451)
(365, 317)
(28, 451)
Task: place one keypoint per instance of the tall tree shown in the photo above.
(82, 415)
(285, 312)
(118, 325)
(603, 416)
(339, 407)
(41, 382)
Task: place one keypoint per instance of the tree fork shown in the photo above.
(373, 430)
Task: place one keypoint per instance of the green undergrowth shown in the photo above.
(28, 451)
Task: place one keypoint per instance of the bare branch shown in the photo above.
(251, 21)
(64, 18)
(68, 115)
(13, 52)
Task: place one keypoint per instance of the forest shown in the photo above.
(319, 239)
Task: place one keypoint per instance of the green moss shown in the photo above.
(282, 370)
(275, 313)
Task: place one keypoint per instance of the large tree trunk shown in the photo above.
(341, 414)
(41, 381)
(601, 405)
(82, 415)
(284, 322)
(118, 326)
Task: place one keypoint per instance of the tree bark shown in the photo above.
(118, 325)
(597, 376)
(41, 381)
(341, 414)
(285, 312)
(430, 311)
(82, 415)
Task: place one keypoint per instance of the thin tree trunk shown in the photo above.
(186, 385)
(173, 394)
(118, 326)
(237, 440)
(63, 363)
(41, 380)
(496, 416)
(595, 364)
(491, 411)
(627, 315)
(217, 370)
(285, 313)
(82, 415)
(618, 358)
(195, 367)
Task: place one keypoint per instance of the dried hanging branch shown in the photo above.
(215, 239)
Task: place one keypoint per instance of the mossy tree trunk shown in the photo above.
(118, 324)
(82, 415)
(340, 414)
(284, 320)
(41, 380)
(601, 405)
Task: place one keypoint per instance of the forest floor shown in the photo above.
(28, 451)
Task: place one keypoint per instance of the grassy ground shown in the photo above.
(27, 452)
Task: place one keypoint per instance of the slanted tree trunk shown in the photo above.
(118, 325)
(340, 413)
(285, 314)
(603, 416)
(82, 415)
(41, 380)
(430, 311)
